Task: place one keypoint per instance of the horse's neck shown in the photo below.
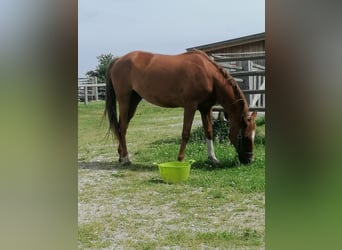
(227, 100)
(231, 99)
(229, 96)
(235, 109)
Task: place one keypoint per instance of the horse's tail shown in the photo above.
(110, 107)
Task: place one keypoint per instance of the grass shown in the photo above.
(89, 236)
(219, 206)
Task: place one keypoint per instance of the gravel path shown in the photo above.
(131, 208)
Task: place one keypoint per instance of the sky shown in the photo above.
(161, 26)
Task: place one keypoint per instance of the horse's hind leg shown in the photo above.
(127, 110)
(208, 131)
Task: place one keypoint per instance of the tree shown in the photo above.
(101, 68)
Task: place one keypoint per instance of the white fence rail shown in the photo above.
(90, 90)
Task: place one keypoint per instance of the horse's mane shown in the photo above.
(237, 91)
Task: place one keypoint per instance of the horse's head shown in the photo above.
(245, 138)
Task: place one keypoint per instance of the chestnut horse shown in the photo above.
(190, 80)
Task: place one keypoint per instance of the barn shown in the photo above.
(244, 58)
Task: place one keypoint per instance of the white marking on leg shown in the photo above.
(253, 136)
(210, 149)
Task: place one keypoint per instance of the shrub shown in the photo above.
(221, 132)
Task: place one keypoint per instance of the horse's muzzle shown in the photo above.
(246, 157)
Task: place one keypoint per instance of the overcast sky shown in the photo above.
(161, 26)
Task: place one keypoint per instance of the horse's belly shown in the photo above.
(166, 101)
(165, 95)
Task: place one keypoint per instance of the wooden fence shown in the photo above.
(90, 90)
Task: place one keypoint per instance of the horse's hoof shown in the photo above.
(124, 161)
(213, 160)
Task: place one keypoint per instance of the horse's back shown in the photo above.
(142, 60)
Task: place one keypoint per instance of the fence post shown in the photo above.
(96, 89)
(85, 94)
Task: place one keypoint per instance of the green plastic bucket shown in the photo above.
(174, 172)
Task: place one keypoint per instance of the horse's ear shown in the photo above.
(252, 116)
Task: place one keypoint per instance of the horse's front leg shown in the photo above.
(189, 113)
(208, 131)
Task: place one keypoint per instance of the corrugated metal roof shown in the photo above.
(231, 42)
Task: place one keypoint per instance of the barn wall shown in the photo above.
(248, 47)
(253, 46)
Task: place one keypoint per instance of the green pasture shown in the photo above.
(129, 207)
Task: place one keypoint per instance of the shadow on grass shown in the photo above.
(115, 165)
(156, 180)
(209, 165)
